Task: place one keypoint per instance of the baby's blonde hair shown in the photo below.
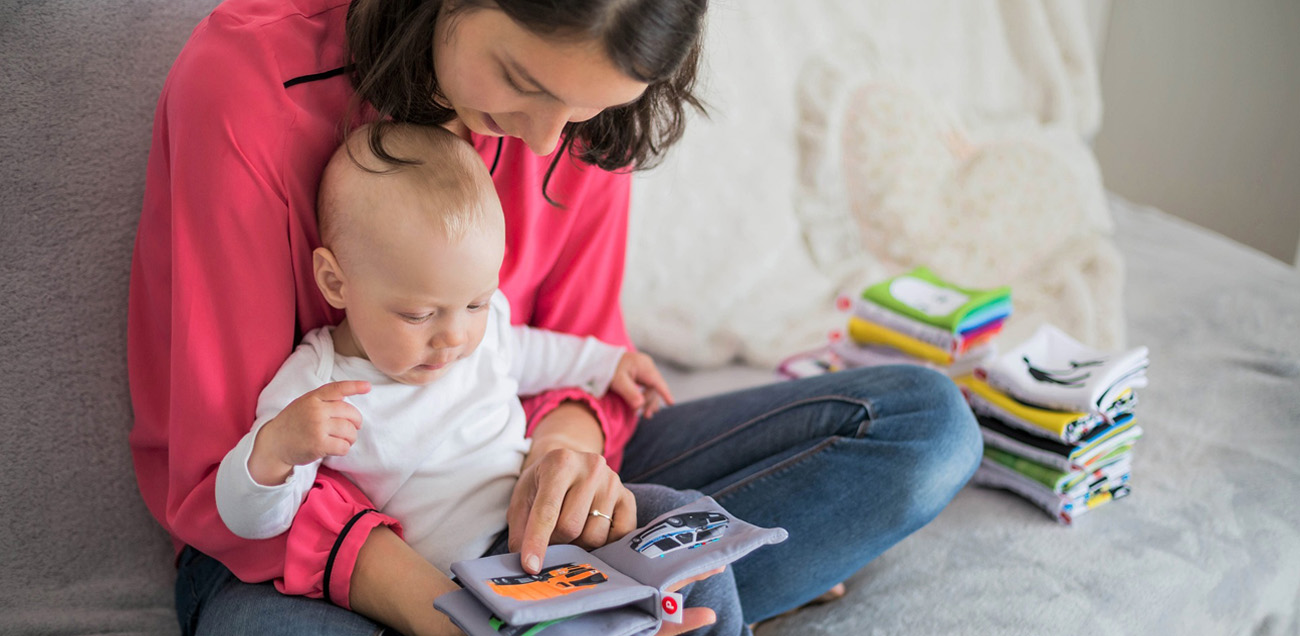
(447, 183)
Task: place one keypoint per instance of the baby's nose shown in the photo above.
(450, 338)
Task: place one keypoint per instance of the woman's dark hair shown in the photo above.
(390, 44)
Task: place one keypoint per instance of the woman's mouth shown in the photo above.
(492, 125)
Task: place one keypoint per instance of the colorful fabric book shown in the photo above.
(620, 589)
(870, 333)
(1065, 482)
(854, 355)
(1054, 453)
(1054, 371)
(953, 343)
(924, 297)
(1064, 508)
(1066, 426)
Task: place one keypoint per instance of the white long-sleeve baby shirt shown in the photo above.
(442, 458)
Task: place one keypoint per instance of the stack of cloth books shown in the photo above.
(1057, 421)
(913, 318)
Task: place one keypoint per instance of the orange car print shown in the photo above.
(551, 582)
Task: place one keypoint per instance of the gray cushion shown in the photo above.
(80, 80)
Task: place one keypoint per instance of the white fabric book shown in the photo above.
(1054, 371)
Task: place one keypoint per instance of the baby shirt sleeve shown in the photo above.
(256, 511)
(545, 360)
(580, 294)
(542, 360)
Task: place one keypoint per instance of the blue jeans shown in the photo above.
(849, 463)
(227, 605)
(206, 589)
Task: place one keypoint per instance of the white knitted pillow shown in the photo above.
(891, 180)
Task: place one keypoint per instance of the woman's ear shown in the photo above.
(329, 277)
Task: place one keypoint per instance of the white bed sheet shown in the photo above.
(1209, 542)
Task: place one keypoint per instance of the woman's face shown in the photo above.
(503, 80)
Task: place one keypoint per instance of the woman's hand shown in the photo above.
(555, 500)
(564, 481)
(692, 617)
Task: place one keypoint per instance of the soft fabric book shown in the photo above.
(923, 296)
(1066, 426)
(617, 590)
(1061, 507)
(1051, 370)
(955, 343)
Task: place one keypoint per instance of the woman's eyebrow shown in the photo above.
(523, 73)
(528, 77)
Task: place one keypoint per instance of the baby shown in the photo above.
(414, 395)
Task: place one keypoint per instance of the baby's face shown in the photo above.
(416, 305)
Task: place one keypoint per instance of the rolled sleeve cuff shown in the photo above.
(326, 537)
(617, 419)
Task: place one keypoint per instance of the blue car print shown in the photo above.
(679, 532)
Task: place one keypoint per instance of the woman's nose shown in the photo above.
(545, 126)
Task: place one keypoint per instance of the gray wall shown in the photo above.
(1202, 114)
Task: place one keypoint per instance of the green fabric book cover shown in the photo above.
(923, 296)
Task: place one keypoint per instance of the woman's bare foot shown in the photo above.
(834, 594)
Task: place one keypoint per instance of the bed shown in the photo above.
(1208, 543)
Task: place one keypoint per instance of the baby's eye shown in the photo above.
(477, 306)
(412, 318)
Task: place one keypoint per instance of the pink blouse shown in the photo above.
(222, 287)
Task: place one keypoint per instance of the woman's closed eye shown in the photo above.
(516, 87)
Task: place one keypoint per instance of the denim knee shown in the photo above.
(932, 431)
(950, 445)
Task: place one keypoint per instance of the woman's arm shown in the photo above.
(394, 585)
(577, 439)
(572, 426)
(214, 307)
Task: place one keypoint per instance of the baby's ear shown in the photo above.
(329, 277)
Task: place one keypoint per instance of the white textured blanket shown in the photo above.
(851, 140)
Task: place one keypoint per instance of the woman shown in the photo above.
(557, 98)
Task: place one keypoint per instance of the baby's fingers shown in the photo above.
(336, 391)
(336, 447)
(340, 435)
(345, 412)
(652, 404)
(625, 387)
(648, 375)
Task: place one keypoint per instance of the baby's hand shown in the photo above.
(637, 381)
(316, 425)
